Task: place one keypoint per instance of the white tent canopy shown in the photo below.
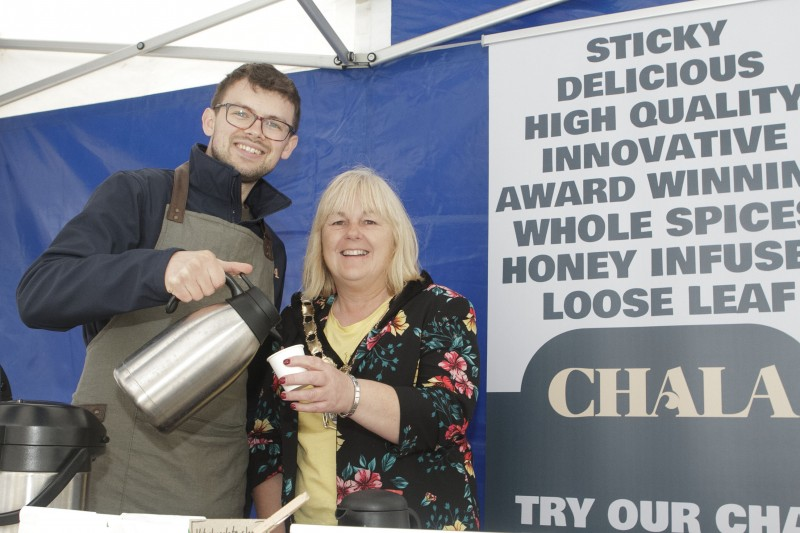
(56, 54)
(48, 47)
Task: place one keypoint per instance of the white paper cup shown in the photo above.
(276, 362)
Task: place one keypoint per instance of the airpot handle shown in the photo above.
(73, 464)
(172, 304)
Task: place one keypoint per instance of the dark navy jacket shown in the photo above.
(102, 263)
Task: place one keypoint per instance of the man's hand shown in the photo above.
(192, 276)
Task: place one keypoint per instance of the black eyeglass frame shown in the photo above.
(227, 107)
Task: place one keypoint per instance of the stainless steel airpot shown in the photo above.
(193, 360)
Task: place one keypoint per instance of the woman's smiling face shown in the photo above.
(357, 247)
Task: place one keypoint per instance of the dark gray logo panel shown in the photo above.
(685, 428)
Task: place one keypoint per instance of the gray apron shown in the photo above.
(199, 468)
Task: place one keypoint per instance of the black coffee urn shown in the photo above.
(46, 451)
(376, 508)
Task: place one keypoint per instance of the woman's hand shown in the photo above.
(332, 391)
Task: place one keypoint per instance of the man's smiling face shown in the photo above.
(248, 150)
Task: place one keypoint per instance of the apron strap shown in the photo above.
(177, 206)
(180, 193)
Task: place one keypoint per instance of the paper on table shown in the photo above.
(241, 525)
(225, 525)
(46, 519)
(155, 523)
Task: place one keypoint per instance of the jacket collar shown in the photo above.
(410, 290)
(224, 181)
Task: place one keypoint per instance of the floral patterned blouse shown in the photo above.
(426, 348)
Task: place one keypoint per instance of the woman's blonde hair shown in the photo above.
(376, 196)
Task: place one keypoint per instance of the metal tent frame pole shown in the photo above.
(443, 35)
(178, 52)
(343, 55)
(344, 58)
(139, 48)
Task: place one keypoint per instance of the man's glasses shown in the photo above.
(242, 118)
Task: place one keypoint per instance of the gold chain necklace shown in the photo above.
(315, 347)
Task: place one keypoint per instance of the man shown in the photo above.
(145, 235)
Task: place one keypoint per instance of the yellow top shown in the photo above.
(316, 454)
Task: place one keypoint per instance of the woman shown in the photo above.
(394, 381)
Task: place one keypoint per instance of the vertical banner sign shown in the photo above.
(643, 365)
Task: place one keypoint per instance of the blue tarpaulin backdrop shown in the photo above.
(421, 121)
